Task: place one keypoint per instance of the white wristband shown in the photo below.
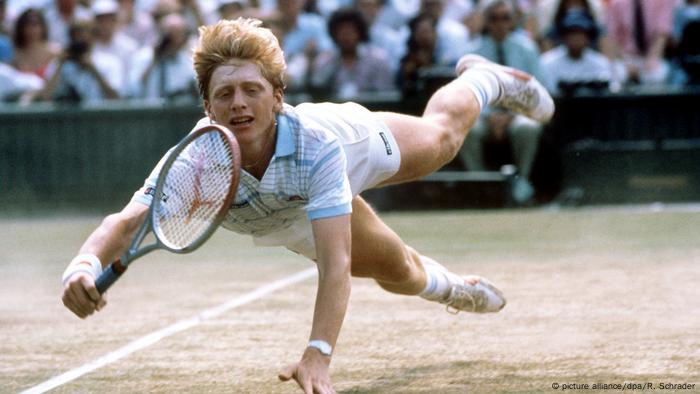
(85, 262)
(322, 346)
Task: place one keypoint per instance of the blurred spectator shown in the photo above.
(392, 41)
(688, 55)
(18, 86)
(108, 38)
(459, 10)
(685, 44)
(165, 70)
(686, 12)
(33, 51)
(453, 36)
(61, 14)
(232, 9)
(420, 55)
(81, 75)
(639, 31)
(298, 71)
(551, 16)
(163, 8)
(353, 66)
(137, 24)
(199, 12)
(574, 66)
(397, 13)
(503, 45)
(301, 32)
(6, 53)
(327, 7)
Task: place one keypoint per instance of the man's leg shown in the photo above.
(379, 253)
(432, 140)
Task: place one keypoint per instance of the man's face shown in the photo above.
(241, 99)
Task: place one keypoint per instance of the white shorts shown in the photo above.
(370, 149)
(372, 155)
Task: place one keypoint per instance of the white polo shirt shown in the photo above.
(324, 155)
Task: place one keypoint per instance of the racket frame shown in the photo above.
(135, 250)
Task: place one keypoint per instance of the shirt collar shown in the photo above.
(286, 145)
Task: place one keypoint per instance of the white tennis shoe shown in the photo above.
(474, 294)
(518, 90)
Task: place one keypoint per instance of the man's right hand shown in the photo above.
(81, 296)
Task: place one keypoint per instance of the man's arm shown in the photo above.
(107, 243)
(333, 241)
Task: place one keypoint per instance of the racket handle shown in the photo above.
(109, 276)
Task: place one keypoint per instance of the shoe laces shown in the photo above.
(460, 299)
(522, 99)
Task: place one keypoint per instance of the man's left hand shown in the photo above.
(311, 373)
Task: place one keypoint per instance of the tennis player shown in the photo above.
(303, 170)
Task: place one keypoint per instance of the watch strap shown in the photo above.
(322, 346)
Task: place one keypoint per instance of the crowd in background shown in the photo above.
(91, 50)
(87, 51)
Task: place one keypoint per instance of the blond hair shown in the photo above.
(242, 38)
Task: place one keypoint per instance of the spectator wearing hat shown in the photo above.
(574, 65)
(549, 15)
(109, 39)
(354, 66)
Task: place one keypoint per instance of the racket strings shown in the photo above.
(194, 190)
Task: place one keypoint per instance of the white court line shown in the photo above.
(156, 336)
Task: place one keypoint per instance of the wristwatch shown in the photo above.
(322, 346)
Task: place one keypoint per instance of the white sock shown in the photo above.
(439, 280)
(483, 83)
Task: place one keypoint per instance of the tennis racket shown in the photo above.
(194, 190)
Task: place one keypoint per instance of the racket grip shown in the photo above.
(109, 276)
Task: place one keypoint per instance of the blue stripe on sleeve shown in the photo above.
(319, 164)
(338, 210)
